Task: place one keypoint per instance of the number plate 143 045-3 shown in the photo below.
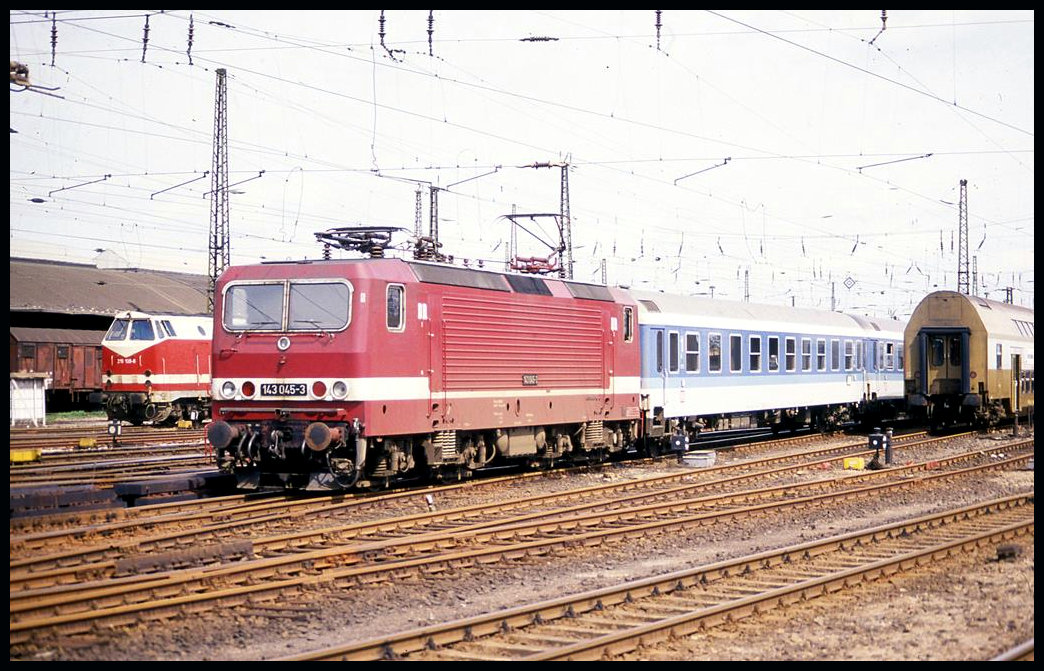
(284, 389)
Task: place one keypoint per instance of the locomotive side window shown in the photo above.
(159, 330)
(672, 353)
(628, 324)
(692, 352)
(755, 354)
(169, 328)
(141, 329)
(714, 352)
(821, 354)
(773, 354)
(253, 306)
(790, 347)
(806, 354)
(735, 353)
(396, 307)
(118, 330)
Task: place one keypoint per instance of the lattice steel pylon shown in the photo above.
(963, 286)
(219, 244)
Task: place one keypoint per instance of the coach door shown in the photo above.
(1016, 382)
(945, 361)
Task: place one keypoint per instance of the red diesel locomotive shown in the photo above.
(156, 367)
(340, 373)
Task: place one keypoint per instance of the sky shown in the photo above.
(806, 158)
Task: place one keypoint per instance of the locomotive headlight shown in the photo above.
(340, 389)
(228, 390)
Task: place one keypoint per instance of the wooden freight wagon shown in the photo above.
(72, 358)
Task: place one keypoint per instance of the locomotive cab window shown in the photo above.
(396, 307)
(141, 329)
(169, 328)
(118, 330)
(253, 307)
(318, 306)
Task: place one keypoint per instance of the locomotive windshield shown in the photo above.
(287, 306)
(118, 330)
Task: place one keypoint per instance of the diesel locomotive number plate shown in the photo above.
(273, 389)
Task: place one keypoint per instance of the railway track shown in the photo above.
(606, 623)
(340, 561)
(228, 516)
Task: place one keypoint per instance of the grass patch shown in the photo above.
(75, 414)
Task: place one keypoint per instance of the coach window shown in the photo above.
(899, 357)
(849, 354)
(955, 350)
(141, 329)
(692, 352)
(396, 307)
(735, 353)
(628, 324)
(673, 351)
(835, 355)
(659, 351)
(773, 354)
(821, 362)
(319, 306)
(806, 354)
(889, 362)
(937, 351)
(1000, 357)
(791, 354)
(755, 354)
(714, 352)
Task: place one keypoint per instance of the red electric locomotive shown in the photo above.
(156, 367)
(345, 373)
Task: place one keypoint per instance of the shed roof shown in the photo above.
(62, 336)
(77, 289)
